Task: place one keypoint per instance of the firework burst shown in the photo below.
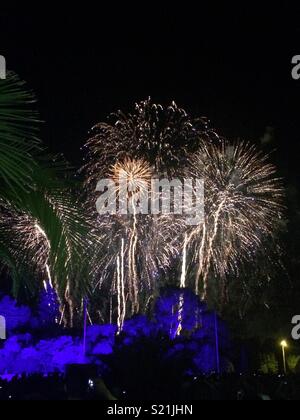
(243, 208)
(162, 136)
(150, 142)
(243, 203)
(137, 246)
(29, 240)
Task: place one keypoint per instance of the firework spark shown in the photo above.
(243, 208)
(243, 203)
(151, 142)
(162, 136)
(137, 245)
(30, 240)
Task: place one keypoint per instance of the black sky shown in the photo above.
(231, 65)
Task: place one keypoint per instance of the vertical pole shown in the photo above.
(85, 316)
(284, 360)
(217, 344)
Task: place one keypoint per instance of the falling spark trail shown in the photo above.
(49, 275)
(201, 259)
(62, 315)
(119, 295)
(150, 142)
(243, 204)
(121, 289)
(243, 211)
(182, 286)
(210, 246)
(184, 263)
(123, 285)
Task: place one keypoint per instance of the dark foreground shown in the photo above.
(58, 387)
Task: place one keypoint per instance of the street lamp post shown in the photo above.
(284, 345)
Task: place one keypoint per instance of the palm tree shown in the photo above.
(43, 234)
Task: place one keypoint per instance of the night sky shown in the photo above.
(233, 66)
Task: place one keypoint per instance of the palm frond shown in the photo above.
(43, 231)
(18, 133)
